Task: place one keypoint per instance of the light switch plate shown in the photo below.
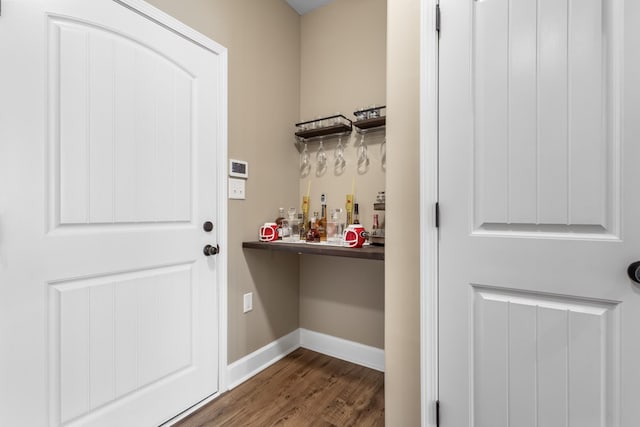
(236, 189)
(247, 302)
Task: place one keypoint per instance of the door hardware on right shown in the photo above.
(207, 226)
(211, 250)
(634, 271)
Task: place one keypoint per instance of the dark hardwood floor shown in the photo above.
(303, 389)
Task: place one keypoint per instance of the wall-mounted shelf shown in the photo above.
(326, 126)
(366, 252)
(370, 118)
(366, 124)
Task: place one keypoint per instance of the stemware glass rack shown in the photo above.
(371, 118)
(367, 119)
(323, 127)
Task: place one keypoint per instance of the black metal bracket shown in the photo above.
(313, 129)
(366, 111)
(370, 119)
(335, 116)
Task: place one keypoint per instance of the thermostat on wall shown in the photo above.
(238, 168)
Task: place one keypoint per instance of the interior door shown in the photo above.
(539, 213)
(108, 133)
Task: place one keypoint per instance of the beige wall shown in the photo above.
(343, 67)
(402, 275)
(265, 67)
(263, 41)
(343, 297)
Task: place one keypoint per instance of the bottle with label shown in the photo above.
(322, 220)
(312, 233)
(302, 227)
(294, 224)
(356, 214)
(316, 227)
(286, 229)
(279, 220)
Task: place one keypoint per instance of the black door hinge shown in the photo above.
(437, 413)
(437, 215)
(438, 18)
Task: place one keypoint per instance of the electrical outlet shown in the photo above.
(236, 188)
(248, 302)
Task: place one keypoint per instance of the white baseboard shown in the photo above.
(243, 369)
(351, 351)
(371, 357)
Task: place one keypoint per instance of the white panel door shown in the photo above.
(109, 124)
(538, 154)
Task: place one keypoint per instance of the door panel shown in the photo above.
(117, 334)
(542, 356)
(545, 137)
(522, 205)
(539, 218)
(109, 127)
(124, 120)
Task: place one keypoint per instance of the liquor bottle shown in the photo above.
(312, 233)
(294, 224)
(349, 208)
(279, 220)
(316, 227)
(376, 225)
(356, 214)
(302, 227)
(322, 220)
(286, 229)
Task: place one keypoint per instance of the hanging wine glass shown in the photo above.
(339, 161)
(321, 158)
(363, 156)
(305, 163)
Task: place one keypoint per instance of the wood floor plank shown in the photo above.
(303, 389)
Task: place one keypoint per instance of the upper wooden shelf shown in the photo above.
(324, 131)
(375, 122)
(323, 126)
(370, 118)
(366, 252)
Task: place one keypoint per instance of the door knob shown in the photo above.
(634, 271)
(211, 250)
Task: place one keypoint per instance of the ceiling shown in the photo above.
(304, 6)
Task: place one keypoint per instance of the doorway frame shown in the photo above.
(167, 21)
(429, 174)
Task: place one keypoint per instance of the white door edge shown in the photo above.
(428, 199)
(168, 21)
(173, 24)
